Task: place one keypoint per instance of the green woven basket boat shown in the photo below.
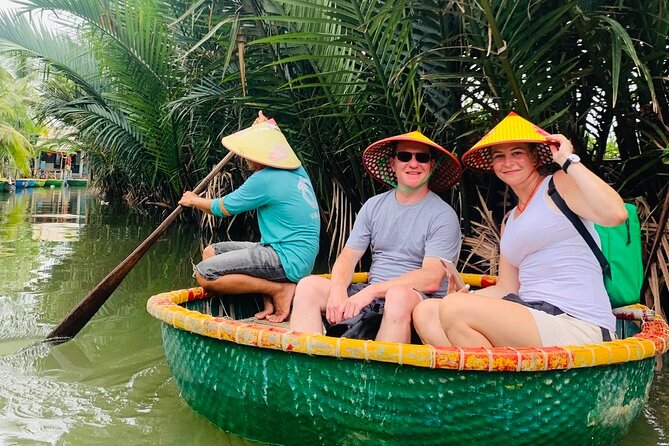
(53, 182)
(271, 385)
(77, 182)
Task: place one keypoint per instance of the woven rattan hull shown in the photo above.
(296, 399)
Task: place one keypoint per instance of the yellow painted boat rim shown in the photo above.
(652, 340)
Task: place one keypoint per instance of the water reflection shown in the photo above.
(111, 385)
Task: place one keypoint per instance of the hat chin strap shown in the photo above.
(408, 189)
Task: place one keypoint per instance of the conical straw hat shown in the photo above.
(376, 160)
(513, 128)
(263, 143)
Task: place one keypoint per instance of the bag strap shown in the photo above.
(580, 227)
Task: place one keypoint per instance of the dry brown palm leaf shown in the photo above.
(241, 42)
(219, 186)
(658, 271)
(340, 221)
(482, 246)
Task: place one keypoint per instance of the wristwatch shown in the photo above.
(571, 159)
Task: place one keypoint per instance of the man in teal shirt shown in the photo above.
(288, 217)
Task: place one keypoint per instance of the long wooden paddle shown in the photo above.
(89, 305)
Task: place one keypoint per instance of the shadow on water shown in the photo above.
(111, 384)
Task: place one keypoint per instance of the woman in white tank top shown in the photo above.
(549, 289)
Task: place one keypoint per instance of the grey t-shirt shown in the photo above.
(401, 235)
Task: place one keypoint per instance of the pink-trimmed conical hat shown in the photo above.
(513, 128)
(376, 160)
(263, 143)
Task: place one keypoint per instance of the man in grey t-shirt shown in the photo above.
(407, 229)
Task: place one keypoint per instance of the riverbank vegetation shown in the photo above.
(18, 129)
(151, 86)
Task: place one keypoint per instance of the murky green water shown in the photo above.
(111, 384)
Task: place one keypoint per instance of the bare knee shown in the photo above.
(454, 309)
(400, 302)
(208, 252)
(425, 313)
(310, 291)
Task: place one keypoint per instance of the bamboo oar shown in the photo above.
(89, 305)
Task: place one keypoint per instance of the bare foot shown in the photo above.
(282, 302)
(268, 310)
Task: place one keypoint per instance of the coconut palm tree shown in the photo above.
(16, 125)
(160, 82)
(113, 89)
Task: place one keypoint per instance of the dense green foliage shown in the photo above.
(151, 86)
(17, 128)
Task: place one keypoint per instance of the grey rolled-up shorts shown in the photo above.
(248, 258)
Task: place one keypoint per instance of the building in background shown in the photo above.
(54, 164)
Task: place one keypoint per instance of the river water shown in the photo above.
(111, 384)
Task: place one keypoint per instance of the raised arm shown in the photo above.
(192, 200)
(583, 191)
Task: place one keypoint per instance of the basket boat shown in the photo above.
(77, 182)
(272, 385)
(53, 182)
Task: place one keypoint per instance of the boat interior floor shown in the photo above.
(255, 320)
(238, 307)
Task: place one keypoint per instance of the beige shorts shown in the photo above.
(563, 330)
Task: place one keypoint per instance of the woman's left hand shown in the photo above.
(560, 147)
(452, 287)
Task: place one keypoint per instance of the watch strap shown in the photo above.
(566, 165)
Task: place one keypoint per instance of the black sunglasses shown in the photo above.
(421, 157)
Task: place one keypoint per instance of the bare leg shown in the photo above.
(281, 293)
(396, 322)
(281, 302)
(311, 296)
(426, 320)
(475, 320)
(268, 304)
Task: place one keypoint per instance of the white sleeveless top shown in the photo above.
(554, 263)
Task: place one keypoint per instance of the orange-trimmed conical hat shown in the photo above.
(513, 128)
(263, 143)
(376, 159)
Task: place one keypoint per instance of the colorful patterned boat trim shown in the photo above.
(653, 340)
